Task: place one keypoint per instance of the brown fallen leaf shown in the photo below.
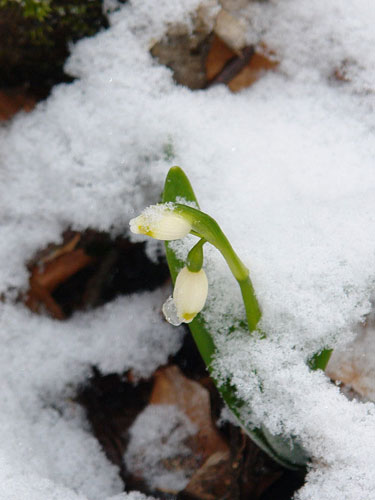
(53, 250)
(56, 251)
(259, 64)
(218, 56)
(214, 480)
(39, 299)
(52, 269)
(13, 101)
(223, 65)
(58, 270)
(173, 388)
(353, 366)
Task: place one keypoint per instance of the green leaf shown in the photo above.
(287, 452)
(320, 360)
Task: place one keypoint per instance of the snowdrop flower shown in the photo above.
(190, 293)
(161, 222)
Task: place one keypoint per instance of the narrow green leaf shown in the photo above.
(320, 360)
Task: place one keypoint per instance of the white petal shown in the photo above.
(190, 293)
(135, 224)
(161, 223)
(171, 227)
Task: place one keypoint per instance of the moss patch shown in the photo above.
(35, 37)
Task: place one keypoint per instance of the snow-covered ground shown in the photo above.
(285, 166)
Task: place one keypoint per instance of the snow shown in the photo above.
(134, 495)
(354, 363)
(285, 167)
(46, 443)
(158, 439)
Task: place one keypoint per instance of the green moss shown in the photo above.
(35, 36)
(30, 8)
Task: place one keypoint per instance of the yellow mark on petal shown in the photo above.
(144, 229)
(188, 317)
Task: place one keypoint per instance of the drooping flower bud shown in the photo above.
(190, 293)
(161, 222)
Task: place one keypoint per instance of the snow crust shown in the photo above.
(286, 168)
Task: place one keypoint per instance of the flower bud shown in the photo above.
(161, 222)
(190, 293)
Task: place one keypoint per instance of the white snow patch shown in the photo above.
(158, 438)
(133, 495)
(354, 363)
(43, 433)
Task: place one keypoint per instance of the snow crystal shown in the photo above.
(285, 167)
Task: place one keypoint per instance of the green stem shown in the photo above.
(208, 229)
(253, 312)
(194, 260)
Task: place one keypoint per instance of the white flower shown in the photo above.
(161, 222)
(190, 293)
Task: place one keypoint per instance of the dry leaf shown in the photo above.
(220, 56)
(214, 479)
(56, 251)
(52, 269)
(354, 364)
(56, 271)
(38, 298)
(259, 64)
(217, 58)
(12, 102)
(172, 387)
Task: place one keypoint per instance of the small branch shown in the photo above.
(233, 67)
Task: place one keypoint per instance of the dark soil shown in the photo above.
(35, 45)
(119, 268)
